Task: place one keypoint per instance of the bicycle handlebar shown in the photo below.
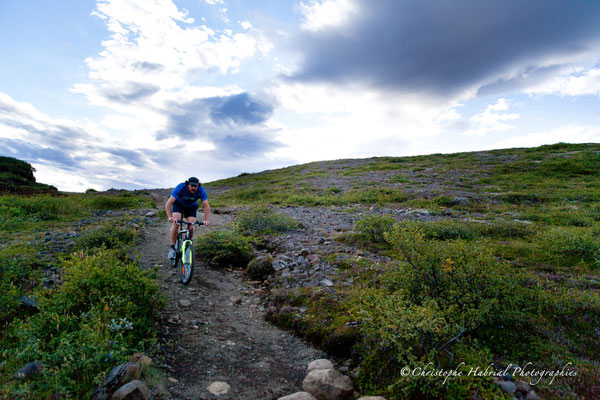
(181, 222)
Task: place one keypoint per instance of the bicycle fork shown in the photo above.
(184, 254)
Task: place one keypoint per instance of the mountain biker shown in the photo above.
(184, 203)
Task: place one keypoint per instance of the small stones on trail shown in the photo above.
(185, 303)
(152, 213)
(219, 388)
(235, 300)
(173, 380)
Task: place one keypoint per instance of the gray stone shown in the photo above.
(531, 395)
(152, 213)
(29, 371)
(299, 396)
(328, 384)
(326, 282)
(319, 364)
(117, 377)
(508, 386)
(219, 388)
(184, 303)
(134, 390)
(371, 398)
(522, 386)
(460, 201)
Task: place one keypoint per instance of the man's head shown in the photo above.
(193, 184)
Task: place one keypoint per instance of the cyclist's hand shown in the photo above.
(171, 219)
(206, 222)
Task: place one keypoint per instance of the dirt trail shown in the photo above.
(221, 334)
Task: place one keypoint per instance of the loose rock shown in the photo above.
(29, 370)
(328, 384)
(319, 364)
(219, 388)
(134, 390)
(299, 396)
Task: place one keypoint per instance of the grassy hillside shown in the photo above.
(543, 175)
(16, 176)
(504, 270)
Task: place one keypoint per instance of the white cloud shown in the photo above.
(492, 119)
(326, 14)
(568, 133)
(341, 122)
(149, 53)
(245, 24)
(575, 82)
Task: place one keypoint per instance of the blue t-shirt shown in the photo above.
(187, 199)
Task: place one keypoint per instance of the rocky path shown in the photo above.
(213, 331)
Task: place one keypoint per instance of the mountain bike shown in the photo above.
(184, 251)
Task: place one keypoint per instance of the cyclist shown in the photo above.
(183, 203)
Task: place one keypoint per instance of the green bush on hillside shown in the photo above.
(223, 248)
(264, 221)
(109, 236)
(570, 246)
(374, 228)
(103, 312)
(441, 292)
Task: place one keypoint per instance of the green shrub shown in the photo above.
(109, 236)
(19, 275)
(569, 246)
(447, 230)
(260, 268)
(103, 312)
(373, 228)
(225, 247)
(264, 221)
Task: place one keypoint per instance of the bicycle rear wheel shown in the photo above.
(187, 263)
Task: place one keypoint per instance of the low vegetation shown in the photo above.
(104, 309)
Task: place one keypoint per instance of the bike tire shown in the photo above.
(187, 263)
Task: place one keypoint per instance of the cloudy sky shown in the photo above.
(143, 93)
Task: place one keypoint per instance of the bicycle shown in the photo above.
(184, 251)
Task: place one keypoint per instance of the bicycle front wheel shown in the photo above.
(187, 263)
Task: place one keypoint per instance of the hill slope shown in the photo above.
(16, 176)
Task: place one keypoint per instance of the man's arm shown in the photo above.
(206, 212)
(168, 208)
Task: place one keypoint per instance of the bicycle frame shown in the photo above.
(182, 244)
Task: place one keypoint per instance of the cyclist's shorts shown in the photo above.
(186, 211)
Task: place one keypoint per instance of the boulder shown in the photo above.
(134, 390)
(260, 268)
(299, 396)
(507, 386)
(29, 371)
(117, 377)
(460, 201)
(328, 384)
(319, 364)
(142, 364)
